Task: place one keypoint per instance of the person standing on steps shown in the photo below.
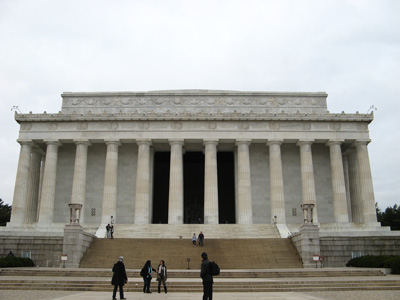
(206, 276)
(108, 231)
(146, 273)
(194, 240)
(201, 238)
(162, 275)
(112, 231)
(119, 278)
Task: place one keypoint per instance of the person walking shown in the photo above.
(194, 240)
(112, 231)
(119, 278)
(206, 276)
(201, 238)
(162, 275)
(146, 273)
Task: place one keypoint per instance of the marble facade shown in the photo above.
(98, 151)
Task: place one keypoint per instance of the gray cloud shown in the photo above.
(350, 49)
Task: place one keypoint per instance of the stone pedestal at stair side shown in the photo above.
(307, 244)
(76, 242)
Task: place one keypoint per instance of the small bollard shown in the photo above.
(188, 261)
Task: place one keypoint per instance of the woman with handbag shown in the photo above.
(162, 275)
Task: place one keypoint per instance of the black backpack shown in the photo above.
(143, 272)
(213, 268)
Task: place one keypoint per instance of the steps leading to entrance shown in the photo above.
(294, 280)
(228, 253)
(211, 231)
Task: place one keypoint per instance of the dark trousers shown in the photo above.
(207, 290)
(159, 285)
(146, 287)
(121, 291)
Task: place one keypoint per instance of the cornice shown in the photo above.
(60, 117)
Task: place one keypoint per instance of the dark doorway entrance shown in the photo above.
(193, 188)
(226, 187)
(161, 187)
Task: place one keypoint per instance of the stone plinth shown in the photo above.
(76, 242)
(307, 244)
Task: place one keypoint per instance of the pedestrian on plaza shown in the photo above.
(162, 275)
(146, 273)
(206, 276)
(201, 238)
(119, 278)
(112, 231)
(194, 240)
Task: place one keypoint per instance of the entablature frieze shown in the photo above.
(212, 116)
(78, 128)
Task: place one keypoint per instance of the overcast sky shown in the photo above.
(349, 49)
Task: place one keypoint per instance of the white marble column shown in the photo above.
(210, 183)
(109, 208)
(175, 201)
(49, 184)
(42, 165)
(33, 187)
(79, 181)
(142, 200)
(276, 182)
(347, 184)
(307, 176)
(366, 185)
(340, 212)
(244, 205)
(18, 214)
(354, 187)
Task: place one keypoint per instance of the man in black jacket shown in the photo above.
(119, 278)
(207, 278)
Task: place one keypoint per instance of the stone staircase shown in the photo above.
(289, 280)
(269, 253)
(211, 231)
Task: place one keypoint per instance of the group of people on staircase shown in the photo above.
(147, 274)
(200, 239)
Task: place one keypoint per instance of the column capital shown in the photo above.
(25, 142)
(37, 149)
(211, 141)
(243, 142)
(82, 142)
(144, 142)
(274, 142)
(305, 142)
(53, 142)
(334, 142)
(361, 142)
(112, 142)
(350, 150)
(176, 142)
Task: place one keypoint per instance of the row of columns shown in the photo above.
(32, 184)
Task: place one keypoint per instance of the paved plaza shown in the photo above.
(333, 295)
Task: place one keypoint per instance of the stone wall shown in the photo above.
(45, 251)
(337, 251)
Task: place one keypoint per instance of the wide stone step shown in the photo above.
(298, 273)
(228, 253)
(214, 231)
(314, 285)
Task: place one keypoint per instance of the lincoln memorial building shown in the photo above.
(194, 159)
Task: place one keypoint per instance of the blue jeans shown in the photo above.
(146, 287)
